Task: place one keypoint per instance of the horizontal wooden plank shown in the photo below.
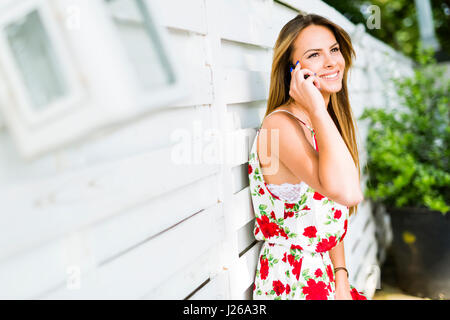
(244, 86)
(242, 210)
(215, 289)
(247, 114)
(237, 145)
(150, 132)
(244, 56)
(43, 268)
(239, 175)
(133, 274)
(241, 278)
(248, 293)
(251, 21)
(245, 236)
(181, 284)
(38, 211)
(172, 13)
(244, 271)
(365, 266)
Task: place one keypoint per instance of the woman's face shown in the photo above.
(317, 50)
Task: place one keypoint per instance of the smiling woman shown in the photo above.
(303, 205)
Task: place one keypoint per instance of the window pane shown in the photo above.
(141, 42)
(35, 57)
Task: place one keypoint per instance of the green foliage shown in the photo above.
(399, 24)
(408, 153)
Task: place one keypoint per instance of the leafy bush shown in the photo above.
(408, 153)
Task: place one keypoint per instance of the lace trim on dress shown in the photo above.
(288, 191)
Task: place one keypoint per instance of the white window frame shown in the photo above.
(60, 106)
(105, 87)
(153, 98)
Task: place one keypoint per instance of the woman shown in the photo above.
(302, 196)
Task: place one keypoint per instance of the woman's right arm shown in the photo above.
(337, 171)
(332, 173)
(318, 170)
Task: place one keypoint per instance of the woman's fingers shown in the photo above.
(305, 74)
(301, 71)
(313, 79)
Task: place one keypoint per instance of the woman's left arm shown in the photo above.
(337, 257)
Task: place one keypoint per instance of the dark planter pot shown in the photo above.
(421, 251)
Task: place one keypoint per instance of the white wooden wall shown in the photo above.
(115, 216)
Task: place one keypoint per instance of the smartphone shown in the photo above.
(306, 76)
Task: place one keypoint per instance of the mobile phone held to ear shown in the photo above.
(306, 76)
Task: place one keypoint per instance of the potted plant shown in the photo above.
(408, 173)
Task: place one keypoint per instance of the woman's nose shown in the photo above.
(329, 61)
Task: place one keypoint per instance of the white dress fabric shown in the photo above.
(298, 226)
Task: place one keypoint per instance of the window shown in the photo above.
(35, 58)
(136, 30)
(35, 64)
(59, 83)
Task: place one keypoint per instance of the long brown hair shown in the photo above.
(280, 78)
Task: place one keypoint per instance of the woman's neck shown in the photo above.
(326, 98)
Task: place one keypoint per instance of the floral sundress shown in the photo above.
(294, 262)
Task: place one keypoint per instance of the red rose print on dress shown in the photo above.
(310, 232)
(326, 244)
(283, 234)
(291, 259)
(278, 287)
(261, 191)
(345, 229)
(264, 269)
(288, 288)
(356, 295)
(289, 205)
(330, 273)
(318, 196)
(337, 214)
(288, 214)
(272, 215)
(250, 170)
(318, 273)
(315, 290)
(269, 229)
(297, 267)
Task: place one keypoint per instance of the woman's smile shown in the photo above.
(331, 76)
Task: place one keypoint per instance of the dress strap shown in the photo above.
(311, 129)
(313, 133)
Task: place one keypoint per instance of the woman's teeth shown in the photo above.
(331, 76)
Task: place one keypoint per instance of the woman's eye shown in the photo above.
(336, 49)
(313, 55)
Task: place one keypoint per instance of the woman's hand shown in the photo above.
(306, 91)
